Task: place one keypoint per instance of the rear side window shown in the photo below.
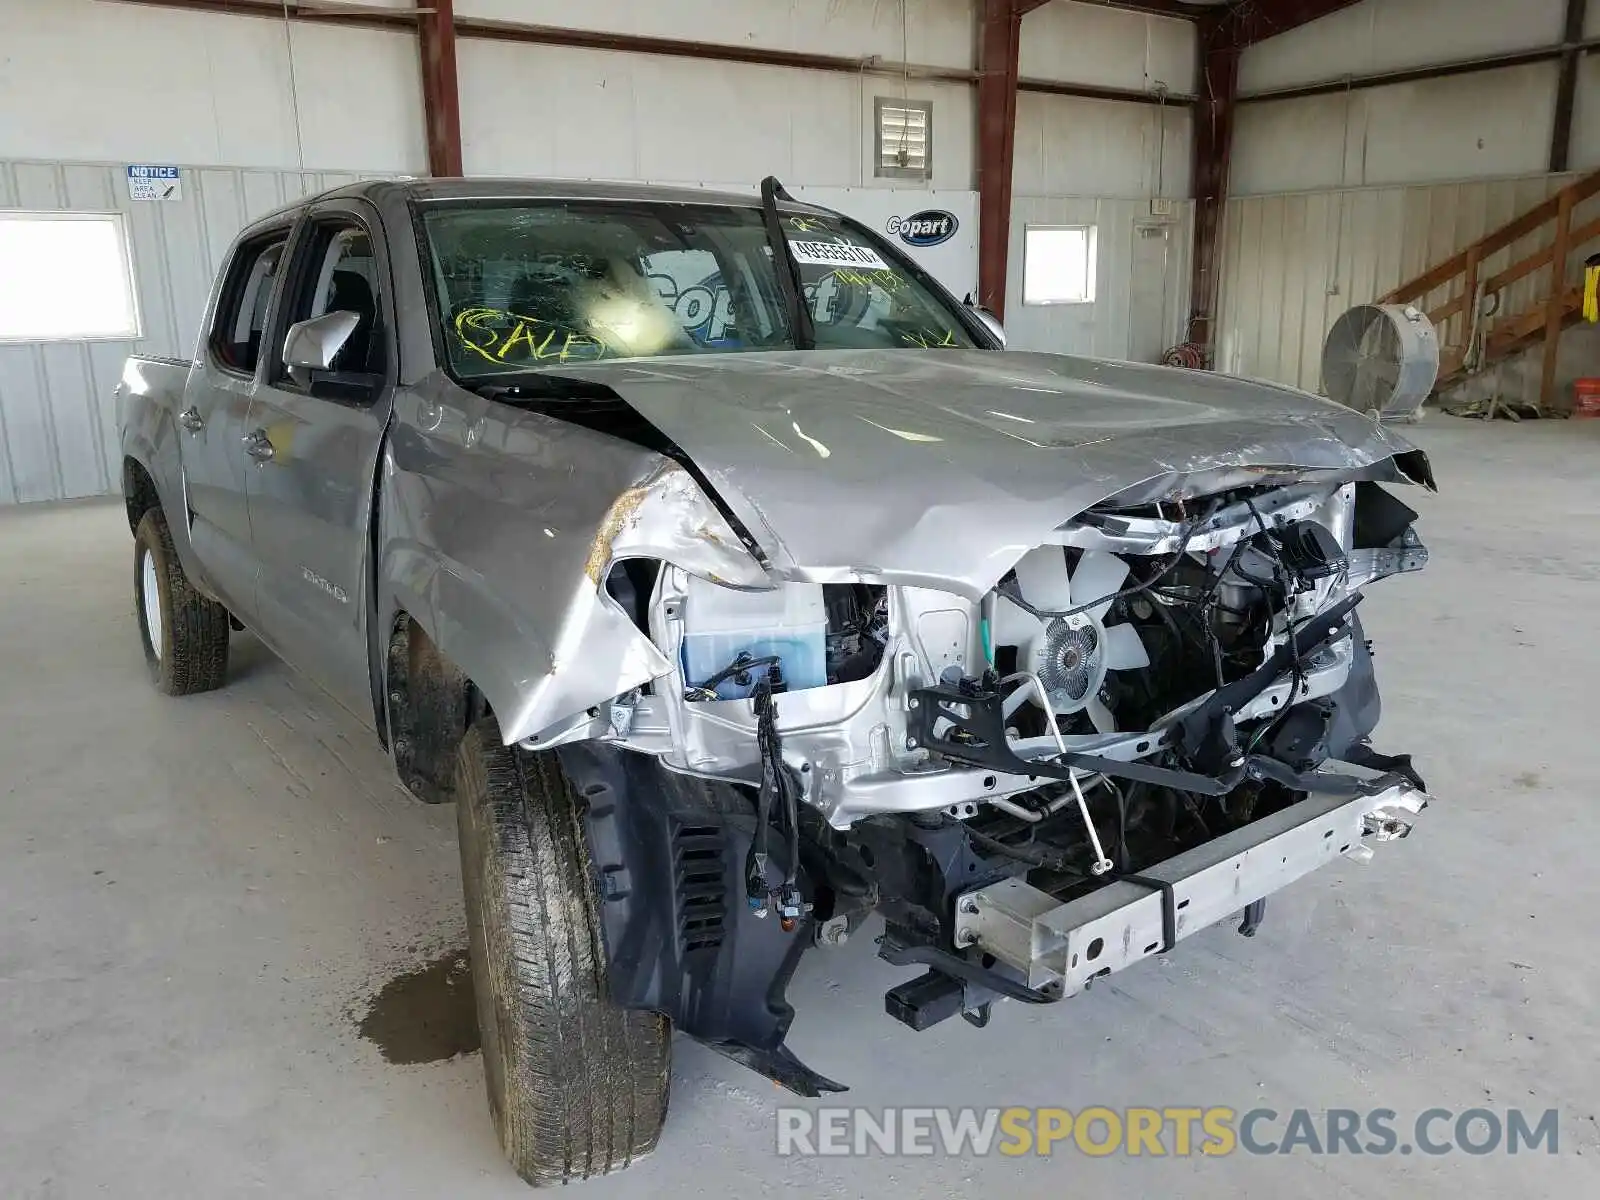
(242, 311)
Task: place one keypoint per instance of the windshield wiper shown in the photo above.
(541, 385)
(783, 263)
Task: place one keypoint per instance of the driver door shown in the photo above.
(315, 437)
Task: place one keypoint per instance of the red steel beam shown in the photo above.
(483, 29)
(1220, 38)
(999, 41)
(1218, 81)
(1444, 70)
(441, 95)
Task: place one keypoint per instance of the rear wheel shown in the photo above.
(185, 635)
(577, 1085)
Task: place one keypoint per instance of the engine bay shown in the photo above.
(1102, 643)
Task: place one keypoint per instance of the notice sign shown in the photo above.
(149, 182)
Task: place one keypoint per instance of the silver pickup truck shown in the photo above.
(736, 587)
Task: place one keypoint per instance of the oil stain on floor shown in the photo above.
(425, 1015)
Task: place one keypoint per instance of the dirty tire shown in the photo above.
(193, 654)
(577, 1086)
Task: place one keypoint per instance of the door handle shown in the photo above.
(191, 420)
(258, 446)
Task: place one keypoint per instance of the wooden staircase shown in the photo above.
(1449, 290)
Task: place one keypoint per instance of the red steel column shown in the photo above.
(441, 98)
(999, 39)
(1218, 86)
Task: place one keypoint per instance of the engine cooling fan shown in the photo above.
(1070, 655)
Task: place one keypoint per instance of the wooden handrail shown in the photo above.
(1521, 269)
(1545, 319)
(1513, 230)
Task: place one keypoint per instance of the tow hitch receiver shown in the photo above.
(1061, 948)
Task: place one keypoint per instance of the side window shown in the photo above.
(340, 274)
(242, 310)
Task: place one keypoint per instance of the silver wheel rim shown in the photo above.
(151, 591)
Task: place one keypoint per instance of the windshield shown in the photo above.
(573, 281)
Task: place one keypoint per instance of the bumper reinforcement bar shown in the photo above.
(1060, 948)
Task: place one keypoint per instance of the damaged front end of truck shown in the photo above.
(1045, 685)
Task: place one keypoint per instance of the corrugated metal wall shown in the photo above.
(1293, 263)
(58, 425)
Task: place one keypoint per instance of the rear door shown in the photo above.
(316, 449)
(216, 403)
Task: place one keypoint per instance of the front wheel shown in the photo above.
(577, 1085)
(185, 635)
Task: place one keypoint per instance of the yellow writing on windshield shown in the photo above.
(501, 336)
(885, 279)
(930, 339)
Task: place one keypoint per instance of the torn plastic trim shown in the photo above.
(677, 939)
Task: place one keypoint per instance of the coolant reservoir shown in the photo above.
(789, 622)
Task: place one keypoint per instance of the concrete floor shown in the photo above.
(200, 896)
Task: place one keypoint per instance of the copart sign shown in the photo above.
(926, 228)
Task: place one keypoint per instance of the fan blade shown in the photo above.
(1042, 579)
(1099, 573)
(1101, 716)
(1125, 649)
(1015, 626)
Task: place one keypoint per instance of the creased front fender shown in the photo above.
(497, 528)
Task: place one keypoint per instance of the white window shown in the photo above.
(905, 139)
(1058, 264)
(65, 276)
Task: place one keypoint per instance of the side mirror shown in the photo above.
(990, 321)
(312, 345)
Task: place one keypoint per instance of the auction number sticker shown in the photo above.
(837, 254)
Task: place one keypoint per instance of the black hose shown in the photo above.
(1037, 858)
(741, 664)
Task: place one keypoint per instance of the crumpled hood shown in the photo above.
(943, 468)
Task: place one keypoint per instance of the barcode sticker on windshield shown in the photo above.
(837, 254)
